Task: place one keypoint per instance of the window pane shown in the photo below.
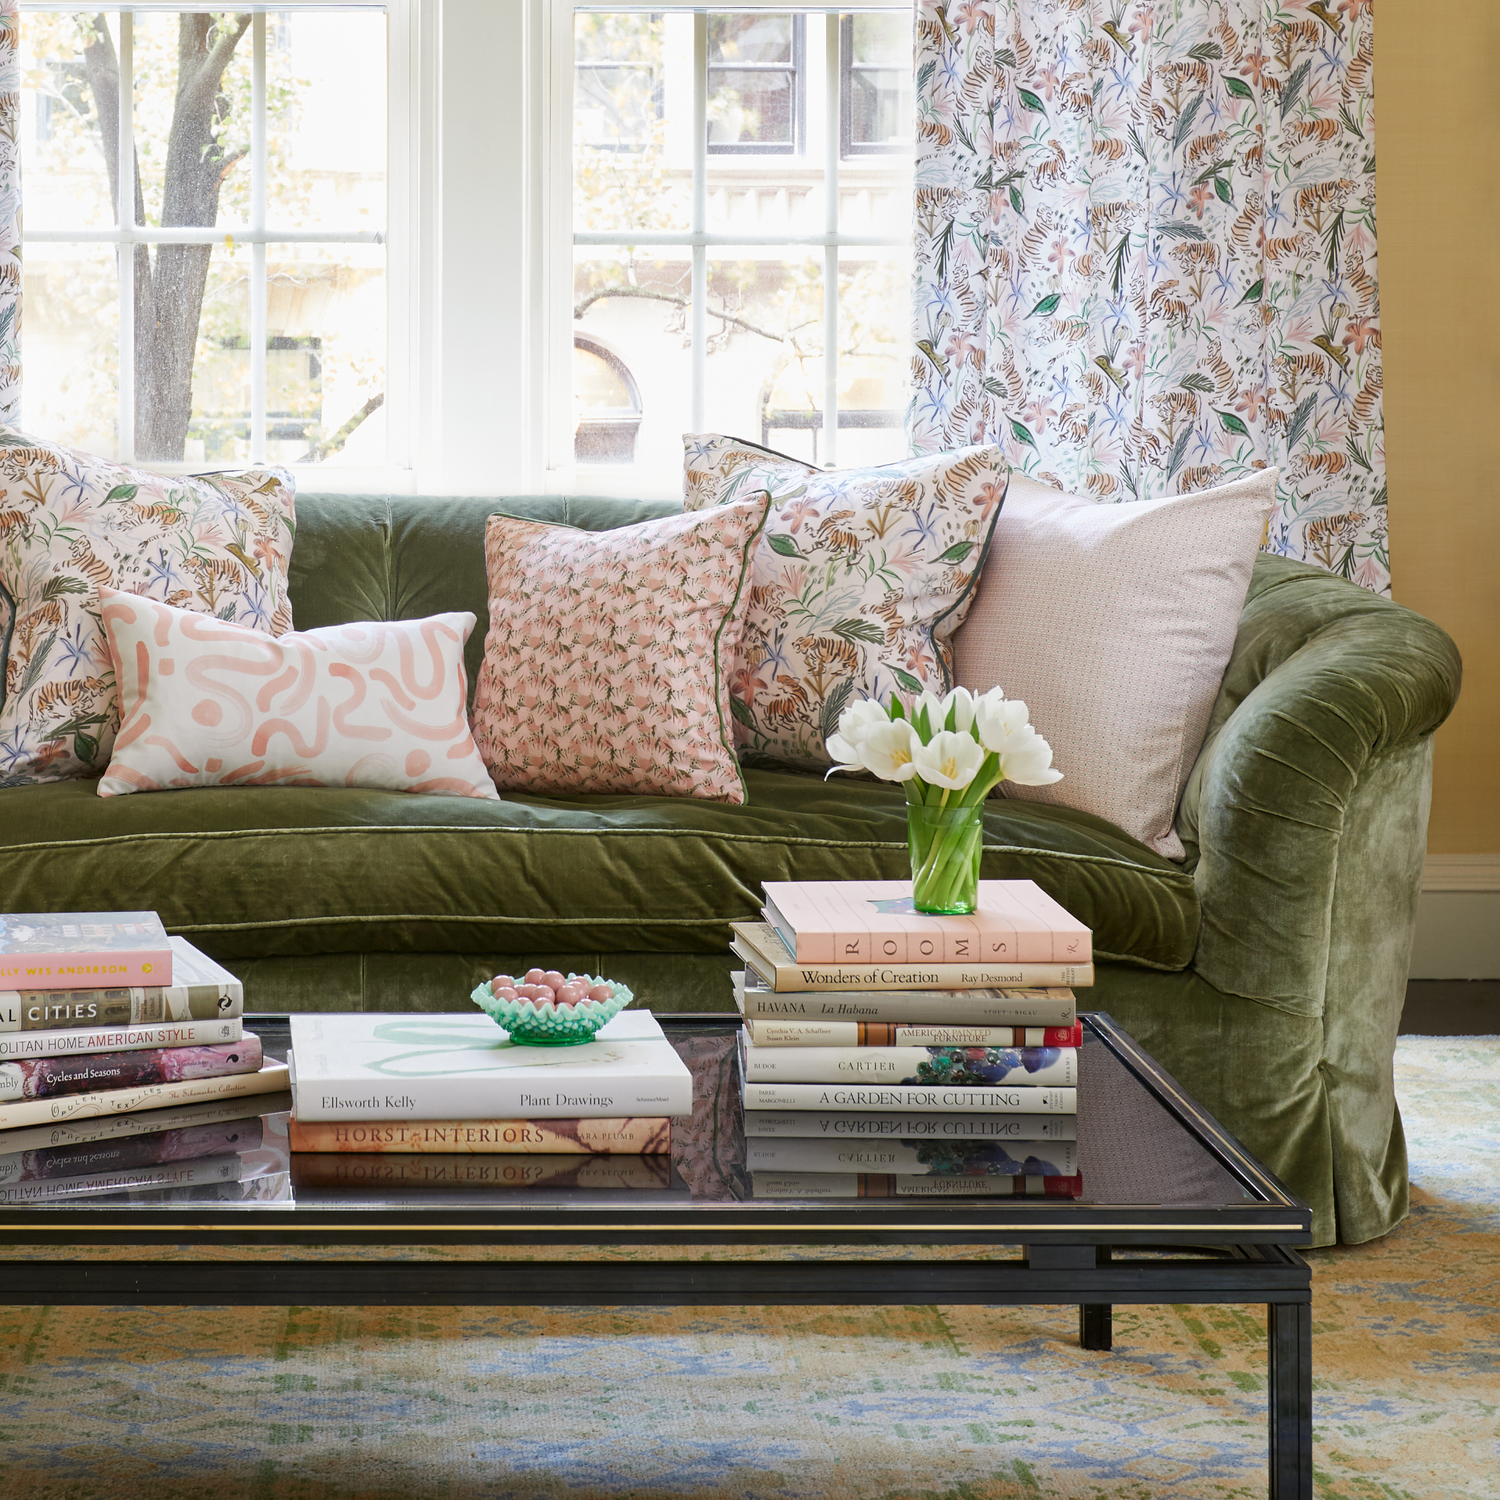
(194, 367)
(764, 336)
(874, 351)
(879, 85)
(325, 120)
(72, 348)
(750, 38)
(66, 183)
(622, 176)
(326, 354)
(751, 108)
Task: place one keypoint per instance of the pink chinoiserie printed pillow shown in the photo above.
(1113, 624)
(71, 524)
(208, 703)
(605, 667)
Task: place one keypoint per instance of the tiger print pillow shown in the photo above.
(70, 524)
(858, 582)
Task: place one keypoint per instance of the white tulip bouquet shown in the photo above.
(950, 753)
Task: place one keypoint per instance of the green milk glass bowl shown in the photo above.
(549, 1024)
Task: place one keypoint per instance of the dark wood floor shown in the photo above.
(1451, 1007)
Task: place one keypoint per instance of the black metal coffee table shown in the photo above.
(1174, 1210)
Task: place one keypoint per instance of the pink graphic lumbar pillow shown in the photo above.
(605, 664)
(207, 703)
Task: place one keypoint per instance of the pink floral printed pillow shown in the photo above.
(606, 661)
(207, 703)
(859, 581)
(70, 524)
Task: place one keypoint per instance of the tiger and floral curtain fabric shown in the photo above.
(10, 215)
(1145, 252)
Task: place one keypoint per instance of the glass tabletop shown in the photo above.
(1148, 1165)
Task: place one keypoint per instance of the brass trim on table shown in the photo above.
(664, 1229)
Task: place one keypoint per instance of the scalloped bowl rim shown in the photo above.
(526, 1009)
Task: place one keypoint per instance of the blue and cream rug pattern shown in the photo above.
(929, 1403)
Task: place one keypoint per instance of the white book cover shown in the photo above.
(975, 1067)
(912, 1098)
(447, 1067)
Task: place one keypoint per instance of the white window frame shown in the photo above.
(554, 368)
(258, 234)
(480, 239)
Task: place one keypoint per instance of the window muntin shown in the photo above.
(283, 261)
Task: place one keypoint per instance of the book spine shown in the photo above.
(211, 1169)
(20, 1045)
(610, 1097)
(940, 1098)
(978, 1067)
(795, 977)
(886, 1185)
(53, 1010)
(643, 1135)
(911, 1158)
(141, 968)
(898, 1034)
(1054, 1007)
(810, 1125)
(133, 1151)
(44, 1077)
(271, 1079)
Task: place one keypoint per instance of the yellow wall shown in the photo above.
(1437, 140)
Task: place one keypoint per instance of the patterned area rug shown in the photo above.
(922, 1402)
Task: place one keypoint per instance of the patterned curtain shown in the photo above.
(1145, 252)
(10, 215)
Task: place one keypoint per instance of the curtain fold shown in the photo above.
(1145, 253)
(10, 214)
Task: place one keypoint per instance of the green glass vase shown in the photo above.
(946, 843)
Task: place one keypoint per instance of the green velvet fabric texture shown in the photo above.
(1324, 679)
(269, 871)
(1266, 972)
(404, 557)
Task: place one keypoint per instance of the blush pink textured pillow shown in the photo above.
(604, 667)
(207, 703)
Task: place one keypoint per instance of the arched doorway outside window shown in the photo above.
(608, 403)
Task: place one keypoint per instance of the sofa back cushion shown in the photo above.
(404, 557)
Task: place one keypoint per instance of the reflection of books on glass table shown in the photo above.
(914, 1158)
(633, 1173)
(642, 1134)
(888, 1185)
(810, 1124)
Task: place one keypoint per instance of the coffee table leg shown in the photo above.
(1096, 1325)
(1289, 1359)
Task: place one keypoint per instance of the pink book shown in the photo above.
(83, 950)
(874, 922)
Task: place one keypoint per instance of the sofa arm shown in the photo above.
(1326, 684)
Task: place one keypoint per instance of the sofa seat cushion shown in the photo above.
(261, 871)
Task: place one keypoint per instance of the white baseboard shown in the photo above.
(1458, 918)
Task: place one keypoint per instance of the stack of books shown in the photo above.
(889, 1053)
(434, 1089)
(124, 1065)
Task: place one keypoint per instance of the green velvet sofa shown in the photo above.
(1266, 971)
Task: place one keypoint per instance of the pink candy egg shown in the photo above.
(505, 992)
(503, 982)
(534, 976)
(571, 994)
(555, 979)
(602, 992)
